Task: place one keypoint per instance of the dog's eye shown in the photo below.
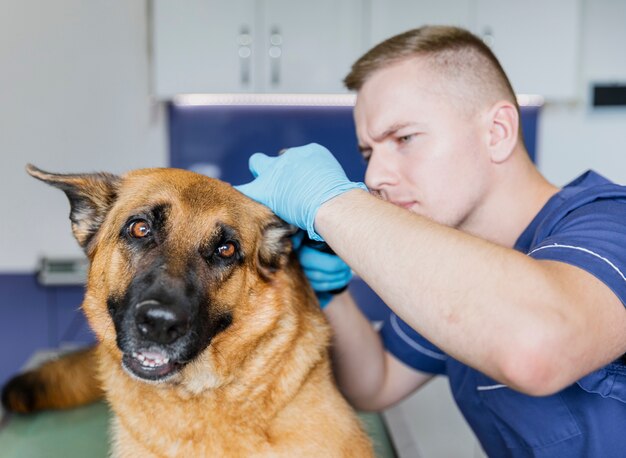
(226, 250)
(139, 229)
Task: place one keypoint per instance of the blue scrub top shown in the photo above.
(585, 225)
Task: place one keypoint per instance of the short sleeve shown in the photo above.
(592, 237)
(608, 381)
(410, 347)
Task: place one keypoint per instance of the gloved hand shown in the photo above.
(295, 184)
(326, 272)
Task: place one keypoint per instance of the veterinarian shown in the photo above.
(510, 286)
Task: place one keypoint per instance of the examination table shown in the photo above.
(82, 432)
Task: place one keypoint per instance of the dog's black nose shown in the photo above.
(160, 323)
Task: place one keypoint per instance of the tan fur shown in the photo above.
(263, 387)
(61, 383)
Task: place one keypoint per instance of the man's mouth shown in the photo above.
(406, 205)
(150, 365)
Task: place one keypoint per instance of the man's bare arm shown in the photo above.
(536, 326)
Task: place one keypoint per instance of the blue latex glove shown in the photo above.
(295, 184)
(326, 272)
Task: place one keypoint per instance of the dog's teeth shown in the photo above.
(150, 361)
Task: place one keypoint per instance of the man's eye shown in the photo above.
(366, 154)
(139, 229)
(405, 138)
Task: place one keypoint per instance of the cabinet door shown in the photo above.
(390, 17)
(203, 46)
(309, 46)
(536, 42)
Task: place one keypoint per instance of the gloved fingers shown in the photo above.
(311, 149)
(259, 163)
(327, 282)
(329, 286)
(295, 184)
(326, 277)
(249, 189)
(310, 258)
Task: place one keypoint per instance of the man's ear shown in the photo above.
(275, 247)
(504, 130)
(91, 196)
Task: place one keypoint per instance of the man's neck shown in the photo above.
(519, 192)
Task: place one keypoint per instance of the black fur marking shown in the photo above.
(21, 390)
(115, 307)
(223, 323)
(159, 214)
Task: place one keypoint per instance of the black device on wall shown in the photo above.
(609, 95)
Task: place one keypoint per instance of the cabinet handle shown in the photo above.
(275, 52)
(487, 36)
(245, 52)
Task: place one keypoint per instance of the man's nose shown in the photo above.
(381, 169)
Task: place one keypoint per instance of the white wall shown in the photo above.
(573, 138)
(74, 96)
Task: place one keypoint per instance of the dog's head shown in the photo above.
(177, 260)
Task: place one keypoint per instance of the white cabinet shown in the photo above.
(536, 41)
(390, 17)
(284, 46)
(301, 46)
(202, 46)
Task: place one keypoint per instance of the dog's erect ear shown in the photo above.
(91, 195)
(275, 246)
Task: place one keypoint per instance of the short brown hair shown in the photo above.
(454, 52)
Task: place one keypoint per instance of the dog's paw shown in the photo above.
(20, 393)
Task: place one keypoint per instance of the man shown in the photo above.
(512, 288)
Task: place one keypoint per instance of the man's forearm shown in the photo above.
(357, 353)
(479, 302)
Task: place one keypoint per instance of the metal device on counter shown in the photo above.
(62, 271)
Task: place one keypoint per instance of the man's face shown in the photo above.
(426, 152)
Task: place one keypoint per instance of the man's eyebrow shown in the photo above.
(394, 128)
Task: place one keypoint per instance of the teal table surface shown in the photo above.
(83, 432)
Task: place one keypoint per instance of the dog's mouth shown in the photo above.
(153, 365)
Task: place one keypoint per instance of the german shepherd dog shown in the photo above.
(210, 340)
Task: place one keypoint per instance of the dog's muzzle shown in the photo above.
(158, 326)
